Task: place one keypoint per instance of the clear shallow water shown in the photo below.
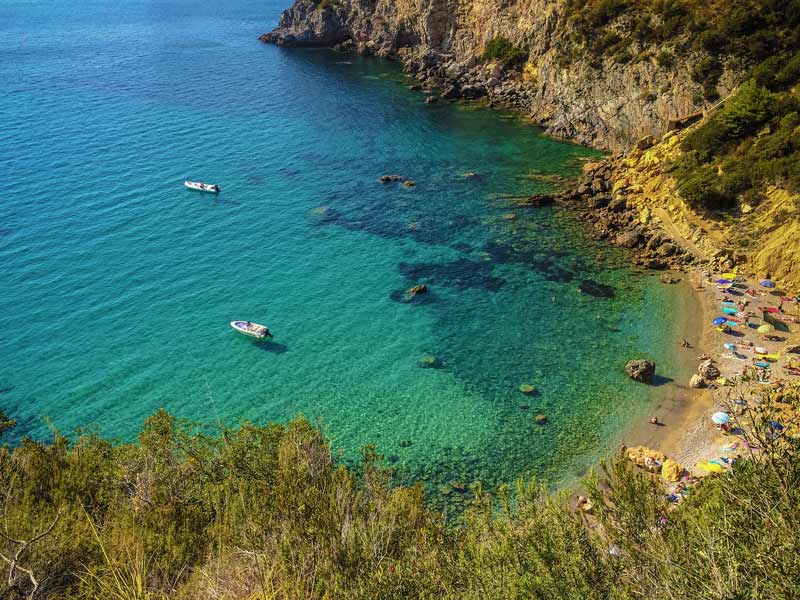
(118, 284)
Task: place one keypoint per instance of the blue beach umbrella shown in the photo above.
(723, 281)
(720, 418)
(719, 321)
(776, 426)
(767, 283)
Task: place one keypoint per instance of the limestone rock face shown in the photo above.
(641, 370)
(441, 41)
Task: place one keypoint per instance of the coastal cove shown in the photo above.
(121, 283)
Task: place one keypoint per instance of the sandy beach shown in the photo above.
(686, 433)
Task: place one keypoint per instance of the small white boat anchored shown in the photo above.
(255, 330)
(212, 188)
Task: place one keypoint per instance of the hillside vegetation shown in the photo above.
(742, 32)
(266, 512)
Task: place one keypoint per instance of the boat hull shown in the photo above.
(199, 186)
(253, 330)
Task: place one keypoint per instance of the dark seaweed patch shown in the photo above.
(544, 263)
(596, 289)
(459, 274)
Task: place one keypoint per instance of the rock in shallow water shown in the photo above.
(641, 370)
(697, 381)
(429, 362)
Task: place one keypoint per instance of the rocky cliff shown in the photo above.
(631, 200)
(608, 102)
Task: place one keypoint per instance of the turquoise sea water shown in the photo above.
(118, 284)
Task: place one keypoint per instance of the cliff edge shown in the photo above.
(525, 54)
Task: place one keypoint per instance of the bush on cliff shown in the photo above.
(751, 142)
(503, 50)
(745, 31)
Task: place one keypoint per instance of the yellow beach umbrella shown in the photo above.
(729, 275)
(765, 328)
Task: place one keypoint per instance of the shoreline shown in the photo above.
(688, 436)
(680, 408)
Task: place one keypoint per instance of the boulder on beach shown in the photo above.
(641, 370)
(697, 381)
(708, 370)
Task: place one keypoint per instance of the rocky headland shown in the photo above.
(629, 78)
(607, 104)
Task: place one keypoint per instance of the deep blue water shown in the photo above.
(118, 284)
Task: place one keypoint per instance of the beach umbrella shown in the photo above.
(776, 426)
(720, 418)
(767, 283)
(723, 281)
(719, 321)
(765, 328)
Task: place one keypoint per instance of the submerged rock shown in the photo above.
(416, 290)
(541, 419)
(641, 370)
(390, 178)
(596, 289)
(409, 183)
(527, 388)
(429, 362)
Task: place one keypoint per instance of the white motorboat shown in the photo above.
(255, 330)
(212, 188)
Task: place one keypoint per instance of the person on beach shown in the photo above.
(685, 343)
(654, 420)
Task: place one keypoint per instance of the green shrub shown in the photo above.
(789, 74)
(746, 111)
(702, 190)
(260, 512)
(502, 50)
(623, 57)
(665, 59)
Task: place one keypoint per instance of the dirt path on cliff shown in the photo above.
(677, 236)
